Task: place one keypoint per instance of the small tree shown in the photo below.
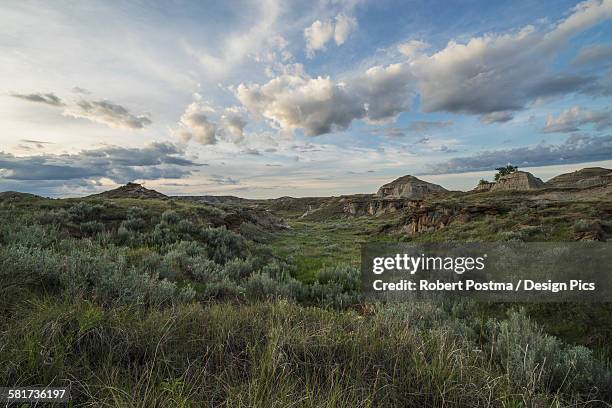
(504, 171)
(483, 181)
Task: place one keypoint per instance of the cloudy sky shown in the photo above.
(269, 98)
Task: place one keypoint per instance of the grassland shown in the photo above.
(155, 303)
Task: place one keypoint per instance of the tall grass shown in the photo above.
(283, 354)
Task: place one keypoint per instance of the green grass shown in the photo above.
(316, 244)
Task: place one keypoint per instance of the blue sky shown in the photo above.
(272, 98)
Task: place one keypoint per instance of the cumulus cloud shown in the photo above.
(196, 125)
(206, 125)
(46, 98)
(497, 73)
(316, 105)
(233, 123)
(570, 120)
(345, 25)
(157, 160)
(491, 76)
(317, 35)
(321, 105)
(107, 113)
(385, 92)
(575, 149)
(321, 32)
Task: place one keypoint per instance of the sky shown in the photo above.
(270, 98)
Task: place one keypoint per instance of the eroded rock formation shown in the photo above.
(587, 177)
(519, 180)
(423, 218)
(484, 186)
(408, 187)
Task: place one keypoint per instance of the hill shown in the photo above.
(587, 177)
(15, 195)
(408, 187)
(131, 190)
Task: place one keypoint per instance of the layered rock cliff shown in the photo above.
(519, 180)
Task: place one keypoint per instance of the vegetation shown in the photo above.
(504, 171)
(152, 303)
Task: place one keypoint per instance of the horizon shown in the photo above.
(299, 100)
(545, 173)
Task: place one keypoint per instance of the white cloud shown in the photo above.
(206, 125)
(345, 25)
(316, 105)
(384, 91)
(412, 48)
(321, 105)
(233, 123)
(317, 35)
(491, 76)
(321, 32)
(108, 113)
(570, 120)
(195, 125)
(504, 72)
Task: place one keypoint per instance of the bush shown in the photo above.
(587, 226)
(170, 217)
(347, 277)
(222, 290)
(260, 286)
(510, 236)
(123, 236)
(84, 211)
(205, 270)
(92, 227)
(134, 224)
(526, 353)
(238, 269)
(135, 213)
